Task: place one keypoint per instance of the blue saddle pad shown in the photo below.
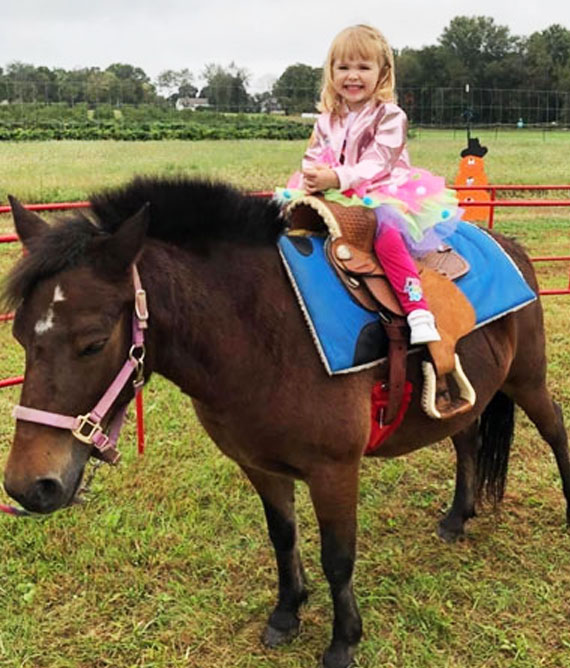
(349, 338)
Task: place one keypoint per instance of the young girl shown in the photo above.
(357, 156)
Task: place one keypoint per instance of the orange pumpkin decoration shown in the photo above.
(472, 173)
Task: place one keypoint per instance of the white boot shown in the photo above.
(422, 326)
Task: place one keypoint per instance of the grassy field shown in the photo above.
(59, 171)
(169, 565)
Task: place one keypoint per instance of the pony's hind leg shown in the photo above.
(546, 414)
(278, 498)
(466, 443)
(334, 491)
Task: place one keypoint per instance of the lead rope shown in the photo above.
(13, 510)
(83, 491)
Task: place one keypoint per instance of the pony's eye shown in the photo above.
(93, 348)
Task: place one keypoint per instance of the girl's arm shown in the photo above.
(319, 151)
(318, 161)
(382, 153)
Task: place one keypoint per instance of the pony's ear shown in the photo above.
(28, 224)
(121, 249)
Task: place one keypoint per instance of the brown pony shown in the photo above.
(225, 327)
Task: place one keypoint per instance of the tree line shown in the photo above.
(471, 50)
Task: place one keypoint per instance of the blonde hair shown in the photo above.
(355, 42)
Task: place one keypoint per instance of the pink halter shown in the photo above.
(87, 428)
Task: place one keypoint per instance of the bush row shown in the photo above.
(144, 113)
(153, 131)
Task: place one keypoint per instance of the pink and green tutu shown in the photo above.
(422, 208)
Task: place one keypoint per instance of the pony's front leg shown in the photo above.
(278, 497)
(334, 491)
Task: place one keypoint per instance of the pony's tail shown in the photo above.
(496, 429)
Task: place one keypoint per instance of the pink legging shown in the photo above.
(400, 268)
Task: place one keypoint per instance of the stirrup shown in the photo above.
(467, 396)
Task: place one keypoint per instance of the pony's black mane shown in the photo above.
(186, 212)
(190, 211)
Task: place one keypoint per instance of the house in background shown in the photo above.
(191, 103)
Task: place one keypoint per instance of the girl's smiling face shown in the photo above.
(355, 80)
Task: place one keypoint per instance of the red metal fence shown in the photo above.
(539, 203)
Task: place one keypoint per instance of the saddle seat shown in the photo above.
(350, 252)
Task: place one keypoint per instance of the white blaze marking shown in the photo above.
(46, 323)
(58, 295)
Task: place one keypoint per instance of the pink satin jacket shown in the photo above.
(373, 142)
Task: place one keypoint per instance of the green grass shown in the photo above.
(168, 564)
(49, 171)
(59, 171)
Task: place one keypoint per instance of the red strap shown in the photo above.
(379, 431)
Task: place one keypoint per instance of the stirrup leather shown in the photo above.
(467, 394)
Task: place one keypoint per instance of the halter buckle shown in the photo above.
(87, 430)
(141, 308)
(137, 355)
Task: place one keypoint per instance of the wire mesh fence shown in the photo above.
(486, 106)
(29, 103)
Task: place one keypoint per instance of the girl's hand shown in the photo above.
(319, 178)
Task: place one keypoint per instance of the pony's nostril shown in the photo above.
(46, 495)
(48, 487)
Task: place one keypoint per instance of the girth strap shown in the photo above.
(397, 332)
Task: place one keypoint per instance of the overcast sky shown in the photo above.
(262, 36)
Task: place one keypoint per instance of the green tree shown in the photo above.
(133, 85)
(100, 87)
(24, 82)
(548, 58)
(174, 84)
(72, 84)
(226, 88)
(471, 44)
(426, 67)
(297, 89)
(474, 50)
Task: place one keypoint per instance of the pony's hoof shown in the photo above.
(338, 658)
(273, 637)
(449, 534)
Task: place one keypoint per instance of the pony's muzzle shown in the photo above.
(44, 495)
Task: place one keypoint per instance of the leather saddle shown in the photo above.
(349, 248)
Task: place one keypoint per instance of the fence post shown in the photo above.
(492, 209)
